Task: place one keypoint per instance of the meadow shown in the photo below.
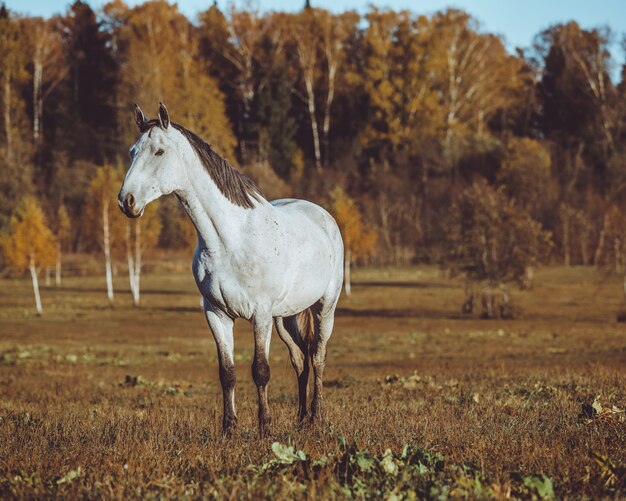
(420, 400)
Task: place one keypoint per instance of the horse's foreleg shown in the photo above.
(288, 331)
(261, 369)
(323, 329)
(222, 328)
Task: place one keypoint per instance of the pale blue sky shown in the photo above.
(517, 20)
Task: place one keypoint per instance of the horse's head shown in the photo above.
(153, 168)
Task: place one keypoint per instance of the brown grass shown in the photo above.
(498, 396)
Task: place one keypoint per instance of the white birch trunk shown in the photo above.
(332, 69)
(134, 260)
(107, 248)
(33, 275)
(48, 277)
(312, 115)
(346, 272)
(136, 294)
(37, 101)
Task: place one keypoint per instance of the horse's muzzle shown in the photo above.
(127, 206)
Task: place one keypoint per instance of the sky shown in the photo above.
(518, 21)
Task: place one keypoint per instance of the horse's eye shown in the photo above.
(159, 153)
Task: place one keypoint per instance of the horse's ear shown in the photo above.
(140, 118)
(164, 116)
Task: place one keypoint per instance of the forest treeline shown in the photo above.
(451, 148)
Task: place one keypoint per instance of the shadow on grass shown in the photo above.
(396, 313)
(176, 309)
(147, 292)
(413, 285)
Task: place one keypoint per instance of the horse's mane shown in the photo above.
(236, 187)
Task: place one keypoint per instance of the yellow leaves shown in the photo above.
(161, 64)
(358, 238)
(30, 241)
(201, 109)
(398, 78)
(101, 202)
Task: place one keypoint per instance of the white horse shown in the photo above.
(257, 260)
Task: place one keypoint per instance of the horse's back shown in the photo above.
(314, 212)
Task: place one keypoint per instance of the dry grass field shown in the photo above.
(420, 400)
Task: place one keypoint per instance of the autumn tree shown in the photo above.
(318, 42)
(492, 241)
(141, 236)
(232, 48)
(305, 32)
(29, 243)
(160, 62)
(525, 173)
(525, 177)
(359, 240)
(12, 71)
(103, 220)
(579, 115)
(476, 78)
(48, 69)
(15, 161)
(576, 88)
(401, 97)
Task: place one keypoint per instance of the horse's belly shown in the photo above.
(303, 285)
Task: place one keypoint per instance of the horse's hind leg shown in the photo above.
(289, 332)
(324, 321)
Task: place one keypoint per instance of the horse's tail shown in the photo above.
(306, 326)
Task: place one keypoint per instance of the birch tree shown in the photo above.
(235, 49)
(160, 63)
(141, 235)
(305, 33)
(475, 76)
(47, 66)
(337, 31)
(12, 71)
(29, 244)
(103, 218)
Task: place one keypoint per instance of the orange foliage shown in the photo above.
(358, 238)
(29, 242)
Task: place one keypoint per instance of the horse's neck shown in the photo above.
(217, 220)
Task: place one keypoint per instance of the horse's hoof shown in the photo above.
(303, 422)
(264, 427)
(229, 427)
